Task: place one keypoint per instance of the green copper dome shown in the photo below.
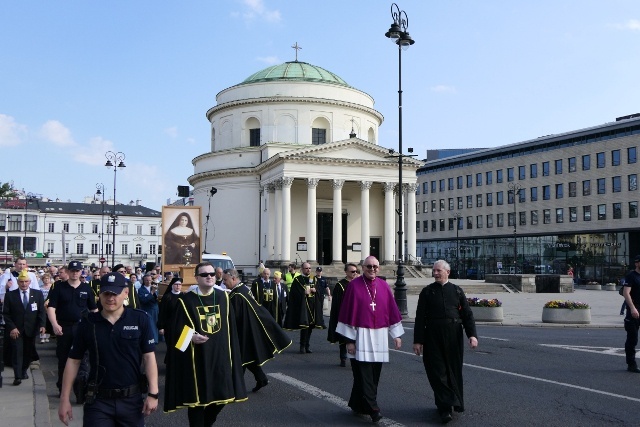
(295, 70)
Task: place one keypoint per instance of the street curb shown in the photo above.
(540, 325)
(40, 399)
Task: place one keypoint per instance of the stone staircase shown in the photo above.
(468, 288)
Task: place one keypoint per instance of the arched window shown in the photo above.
(319, 131)
(252, 127)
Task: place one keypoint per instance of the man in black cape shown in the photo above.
(351, 272)
(303, 311)
(265, 293)
(259, 334)
(443, 311)
(205, 373)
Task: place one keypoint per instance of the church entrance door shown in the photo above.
(324, 238)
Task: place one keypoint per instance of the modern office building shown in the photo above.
(576, 204)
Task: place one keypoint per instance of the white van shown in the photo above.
(219, 260)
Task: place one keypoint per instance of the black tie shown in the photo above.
(25, 300)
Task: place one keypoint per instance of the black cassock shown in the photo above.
(259, 334)
(336, 303)
(168, 305)
(266, 295)
(210, 372)
(442, 313)
(303, 311)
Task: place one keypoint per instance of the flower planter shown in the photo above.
(594, 287)
(610, 287)
(566, 315)
(487, 314)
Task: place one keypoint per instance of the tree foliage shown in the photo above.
(6, 191)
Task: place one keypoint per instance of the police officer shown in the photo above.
(118, 341)
(67, 301)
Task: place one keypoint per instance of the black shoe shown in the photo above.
(259, 385)
(301, 350)
(633, 368)
(446, 416)
(25, 376)
(343, 363)
(307, 350)
(17, 381)
(458, 408)
(376, 416)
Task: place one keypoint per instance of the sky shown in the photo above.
(81, 78)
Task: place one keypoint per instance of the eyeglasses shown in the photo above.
(372, 267)
(212, 274)
(352, 271)
(121, 271)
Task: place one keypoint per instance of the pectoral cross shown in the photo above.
(373, 305)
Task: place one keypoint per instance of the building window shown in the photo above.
(534, 194)
(51, 227)
(125, 249)
(546, 192)
(66, 248)
(417, 226)
(79, 248)
(459, 202)
(601, 185)
(631, 155)
(602, 212)
(559, 191)
(615, 158)
(433, 206)
(50, 247)
(586, 187)
(572, 164)
(573, 214)
(522, 218)
(545, 168)
(31, 222)
(152, 230)
(125, 228)
(65, 226)
(534, 217)
(433, 225)
(152, 249)
(586, 213)
(586, 162)
(558, 164)
(546, 216)
(500, 220)
(522, 196)
(616, 184)
(433, 186)
(15, 222)
(489, 199)
(441, 224)
(509, 174)
(418, 207)
(138, 249)
(425, 187)
(633, 209)
(425, 226)
(617, 210)
(469, 181)
(441, 182)
(478, 179)
(450, 184)
(94, 249)
(425, 206)
(94, 228)
(451, 220)
(499, 198)
(490, 221)
(559, 215)
(633, 182)
(441, 204)
(533, 170)
(459, 182)
(510, 197)
(499, 176)
(460, 223)
(600, 161)
(511, 219)
(107, 249)
(318, 136)
(109, 225)
(521, 172)
(489, 178)
(469, 223)
(451, 203)
(573, 189)
(254, 137)
(479, 221)
(469, 202)
(478, 200)
(138, 230)
(80, 228)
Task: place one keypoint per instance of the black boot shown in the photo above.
(301, 349)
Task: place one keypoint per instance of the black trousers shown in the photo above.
(364, 393)
(203, 416)
(124, 411)
(63, 347)
(256, 370)
(631, 325)
(343, 351)
(21, 354)
(305, 336)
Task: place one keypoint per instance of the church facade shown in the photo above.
(299, 173)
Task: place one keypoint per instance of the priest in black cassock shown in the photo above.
(443, 312)
(259, 334)
(204, 372)
(265, 293)
(304, 308)
(351, 272)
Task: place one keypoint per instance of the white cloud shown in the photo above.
(172, 131)
(191, 141)
(11, 133)
(269, 60)
(443, 89)
(93, 154)
(256, 9)
(57, 133)
(631, 24)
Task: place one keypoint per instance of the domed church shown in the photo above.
(299, 173)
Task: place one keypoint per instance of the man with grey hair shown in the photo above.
(443, 312)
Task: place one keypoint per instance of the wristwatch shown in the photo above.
(154, 395)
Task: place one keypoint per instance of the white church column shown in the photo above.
(270, 222)
(337, 220)
(277, 211)
(312, 183)
(389, 223)
(411, 222)
(365, 234)
(286, 218)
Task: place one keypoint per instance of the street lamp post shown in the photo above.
(515, 188)
(400, 36)
(101, 191)
(457, 216)
(115, 160)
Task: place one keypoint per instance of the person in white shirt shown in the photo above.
(9, 279)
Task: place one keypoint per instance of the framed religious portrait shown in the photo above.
(181, 236)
